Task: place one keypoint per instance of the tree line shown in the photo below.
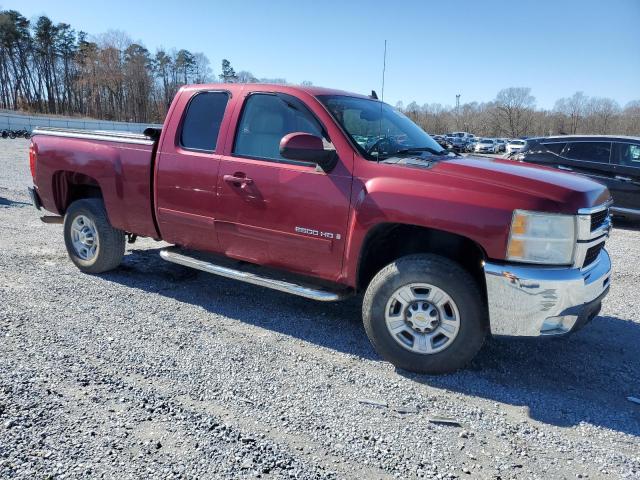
(513, 114)
(48, 67)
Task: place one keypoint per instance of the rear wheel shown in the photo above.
(424, 313)
(92, 243)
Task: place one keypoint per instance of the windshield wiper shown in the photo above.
(433, 151)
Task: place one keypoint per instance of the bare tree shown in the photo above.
(601, 114)
(573, 107)
(514, 110)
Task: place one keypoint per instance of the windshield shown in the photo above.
(379, 130)
(486, 140)
(517, 142)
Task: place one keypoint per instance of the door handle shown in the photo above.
(237, 179)
(562, 167)
(624, 179)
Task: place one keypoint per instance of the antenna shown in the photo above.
(384, 67)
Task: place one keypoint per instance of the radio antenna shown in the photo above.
(384, 67)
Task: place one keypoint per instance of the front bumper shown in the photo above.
(531, 301)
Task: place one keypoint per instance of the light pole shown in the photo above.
(458, 111)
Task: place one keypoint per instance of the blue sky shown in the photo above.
(435, 49)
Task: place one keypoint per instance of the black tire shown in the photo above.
(454, 281)
(111, 241)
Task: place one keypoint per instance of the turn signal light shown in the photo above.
(519, 225)
(32, 160)
(516, 248)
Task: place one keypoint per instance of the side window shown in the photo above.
(588, 151)
(626, 154)
(266, 118)
(554, 147)
(202, 121)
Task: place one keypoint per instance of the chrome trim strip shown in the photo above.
(625, 210)
(315, 294)
(534, 301)
(597, 208)
(100, 135)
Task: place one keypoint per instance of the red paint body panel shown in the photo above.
(295, 216)
(123, 172)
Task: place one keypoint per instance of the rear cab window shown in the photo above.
(202, 120)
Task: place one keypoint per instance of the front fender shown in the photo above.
(477, 215)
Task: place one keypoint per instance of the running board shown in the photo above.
(170, 254)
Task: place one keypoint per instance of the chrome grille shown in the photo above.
(598, 218)
(593, 227)
(592, 254)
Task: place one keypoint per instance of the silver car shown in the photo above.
(515, 146)
(486, 145)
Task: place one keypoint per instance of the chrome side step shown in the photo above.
(171, 255)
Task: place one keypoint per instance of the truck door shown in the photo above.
(276, 211)
(590, 158)
(626, 164)
(187, 171)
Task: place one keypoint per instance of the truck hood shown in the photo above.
(558, 191)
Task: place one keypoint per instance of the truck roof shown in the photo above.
(235, 87)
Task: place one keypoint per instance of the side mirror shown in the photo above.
(308, 148)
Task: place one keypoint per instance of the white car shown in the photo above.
(515, 146)
(486, 145)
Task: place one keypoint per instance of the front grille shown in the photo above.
(598, 218)
(592, 254)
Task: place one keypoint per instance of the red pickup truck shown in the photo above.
(325, 194)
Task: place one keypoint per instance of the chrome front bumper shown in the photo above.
(531, 301)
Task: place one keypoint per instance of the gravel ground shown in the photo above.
(158, 371)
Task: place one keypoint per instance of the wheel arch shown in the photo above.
(69, 186)
(386, 242)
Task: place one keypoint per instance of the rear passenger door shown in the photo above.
(275, 211)
(589, 158)
(626, 164)
(186, 173)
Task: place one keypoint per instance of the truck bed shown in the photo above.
(119, 164)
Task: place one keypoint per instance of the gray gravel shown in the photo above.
(158, 371)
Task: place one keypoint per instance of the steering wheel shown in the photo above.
(384, 141)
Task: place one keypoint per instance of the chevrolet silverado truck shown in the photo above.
(326, 194)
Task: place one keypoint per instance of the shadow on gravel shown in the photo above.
(5, 202)
(584, 377)
(337, 326)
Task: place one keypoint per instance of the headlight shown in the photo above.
(542, 238)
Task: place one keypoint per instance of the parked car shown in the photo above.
(299, 189)
(471, 145)
(611, 160)
(514, 146)
(486, 145)
(501, 144)
(465, 135)
(457, 144)
(441, 140)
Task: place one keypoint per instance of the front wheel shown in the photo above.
(93, 245)
(424, 313)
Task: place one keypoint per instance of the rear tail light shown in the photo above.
(32, 160)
